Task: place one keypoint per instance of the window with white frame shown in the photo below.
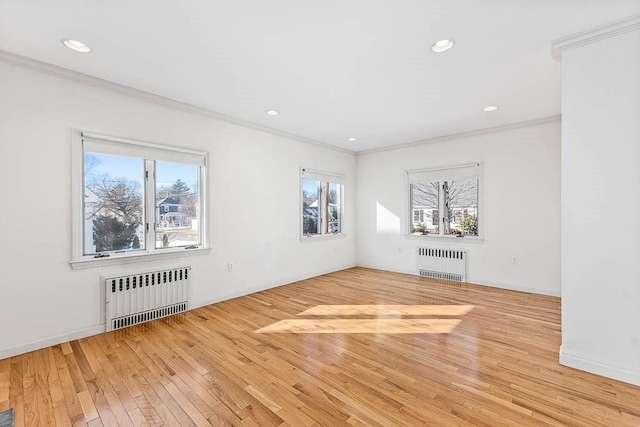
(322, 203)
(445, 201)
(137, 198)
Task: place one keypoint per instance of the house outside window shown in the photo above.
(445, 202)
(322, 203)
(139, 198)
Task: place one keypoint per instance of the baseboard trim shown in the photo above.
(48, 342)
(591, 366)
(515, 287)
(271, 285)
(474, 281)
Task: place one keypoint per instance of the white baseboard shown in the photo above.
(473, 281)
(253, 290)
(47, 342)
(386, 268)
(511, 287)
(587, 365)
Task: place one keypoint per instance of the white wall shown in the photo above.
(600, 207)
(520, 213)
(254, 205)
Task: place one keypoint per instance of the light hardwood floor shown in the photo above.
(356, 347)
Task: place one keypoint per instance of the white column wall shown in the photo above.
(600, 207)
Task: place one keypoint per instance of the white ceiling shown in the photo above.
(333, 68)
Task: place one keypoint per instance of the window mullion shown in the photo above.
(441, 206)
(325, 207)
(150, 205)
(321, 200)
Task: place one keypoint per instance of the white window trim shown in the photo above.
(465, 239)
(81, 261)
(321, 237)
(332, 177)
(409, 215)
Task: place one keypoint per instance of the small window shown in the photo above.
(445, 201)
(138, 198)
(322, 203)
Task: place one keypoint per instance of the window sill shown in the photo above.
(82, 264)
(318, 238)
(474, 240)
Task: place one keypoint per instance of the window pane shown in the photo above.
(113, 203)
(333, 214)
(461, 204)
(424, 207)
(310, 206)
(177, 205)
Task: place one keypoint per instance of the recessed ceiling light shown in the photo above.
(442, 46)
(352, 139)
(272, 112)
(76, 45)
(490, 108)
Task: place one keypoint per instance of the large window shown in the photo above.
(138, 198)
(322, 202)
(445, 201)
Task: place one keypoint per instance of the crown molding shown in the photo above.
(86, 79)
(89, 80)
(593, 35)
(478, 132)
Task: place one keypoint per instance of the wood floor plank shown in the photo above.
(69, 392)
(186, 405)
(358, 347)
(31, 412)
(43, 388)
(88, 405)
(137, 418)
(5, 380)
(61, 413)
(148, 412)
(166, 417)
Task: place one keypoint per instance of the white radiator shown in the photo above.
(445, 264)
(139, 298)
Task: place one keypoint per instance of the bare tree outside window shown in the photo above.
(115, 216)
(461, 207)
(447, 207)
(311, 211)
(425, 197)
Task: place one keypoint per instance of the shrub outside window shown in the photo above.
(444, 202)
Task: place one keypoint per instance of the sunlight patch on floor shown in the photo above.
(388, 310)
(362, 326)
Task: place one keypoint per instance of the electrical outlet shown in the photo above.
(514, 260)
(230, 266)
